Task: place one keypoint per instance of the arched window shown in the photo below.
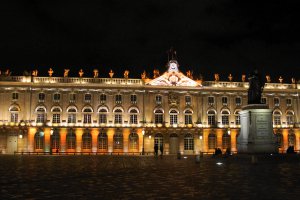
(87, 115)
(102, 141)
(103, 115)
(86, 141)
(212, 141)
(39, 140)
(133, 116)
(188, 142)
(14, 114)
(133, 141)
(291, 139)
(226, 141)
(118, 116)
(290, 118)
(72, 115)
(158, 116)
(225, 117)
(279, 137)
(41, 114)
(277, 117)
(55, 139)
(211, 117)
(71, 140)
(56, 114)
(188, 117)
(158, 139)
(237, 117)
(118, 141)
(173, 117)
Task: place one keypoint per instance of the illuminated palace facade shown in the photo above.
(124, 115)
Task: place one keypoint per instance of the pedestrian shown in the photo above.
(156, 149)
(161, 148)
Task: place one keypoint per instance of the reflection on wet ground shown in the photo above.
(147, 177)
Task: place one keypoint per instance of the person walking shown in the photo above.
(156, 149)
(161, 148)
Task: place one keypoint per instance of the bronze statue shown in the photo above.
(256, 87)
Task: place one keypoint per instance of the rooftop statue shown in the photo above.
(96, 73)
(256, 87)
(66, 72)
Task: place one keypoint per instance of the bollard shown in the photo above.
(197, 160)
(178, 155)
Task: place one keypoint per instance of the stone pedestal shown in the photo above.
(256, 135)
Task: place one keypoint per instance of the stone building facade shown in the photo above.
(124, 115)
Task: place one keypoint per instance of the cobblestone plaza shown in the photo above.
(147, 177)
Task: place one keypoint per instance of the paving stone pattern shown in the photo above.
(147, 177)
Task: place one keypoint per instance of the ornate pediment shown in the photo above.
(173, 77)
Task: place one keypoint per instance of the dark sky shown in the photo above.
(210, 36)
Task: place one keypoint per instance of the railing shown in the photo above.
(81, 153)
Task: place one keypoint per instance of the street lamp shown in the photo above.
(143, 149)
(228, 131)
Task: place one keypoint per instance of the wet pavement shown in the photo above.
(147, 177)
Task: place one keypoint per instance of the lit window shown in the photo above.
(118, 141)
(14, 114)
(263, 100)
(188, 117)
(55, 139)
(41, 97)
(173, 117)
(276, 101)
(288, 102)
(133, 116)
(72, 97)
(102, 98)
(87, 116)
(103, 116)
(56, 97)
(158, 99)
(118, 116)
(225, 117)
(72, 115)
(133, 141)
(237, 118)
(133, 99)
(86, 141)
(88, 98)
(188, 100)
(39, 140)
(118, 99)
(102, 141)
(224, 101)
(211, 117)
(71, 140)
(277, 118)
(188, 142)
(238, 101)
(40, 118)
(212, 141)
(158, 116)
(290, 118)
(56, 118)
(226, 141)
(211, 101)
(15, 96)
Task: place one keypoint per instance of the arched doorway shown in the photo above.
(174, 144)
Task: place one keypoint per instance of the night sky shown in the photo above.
(210, 36)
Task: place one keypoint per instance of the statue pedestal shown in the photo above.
(256, 135)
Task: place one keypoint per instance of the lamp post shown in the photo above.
(143, 149)
(51, 133)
